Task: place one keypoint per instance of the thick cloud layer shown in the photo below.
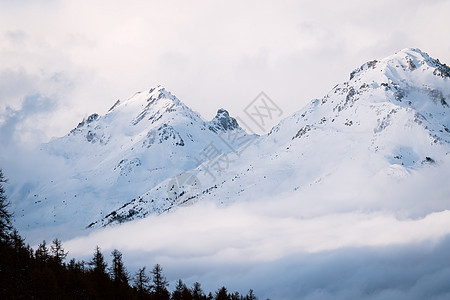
(387, 240)
(333, 256)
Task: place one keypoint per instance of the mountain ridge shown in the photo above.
(388, 121)
(119, 155)
(389, 104)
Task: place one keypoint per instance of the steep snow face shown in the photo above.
(390, 120)
(113, 158)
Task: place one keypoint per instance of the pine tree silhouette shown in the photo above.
(159, 287)
(5, 215)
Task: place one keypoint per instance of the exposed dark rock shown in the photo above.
(370, 64)
(304, 130)
(223, 121)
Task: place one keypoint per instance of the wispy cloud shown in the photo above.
(23, 124)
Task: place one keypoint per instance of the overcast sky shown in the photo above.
(63, 60)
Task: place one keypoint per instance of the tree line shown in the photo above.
(43, 273)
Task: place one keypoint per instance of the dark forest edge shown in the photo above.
(43, 273)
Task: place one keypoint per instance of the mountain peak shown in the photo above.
(405, 92)
(154, 93)
(412, 51)
(223, 121)
(397, 66)
(411, 59)
(161, 92)
(157, 104)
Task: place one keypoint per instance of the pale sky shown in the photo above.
(63, 60)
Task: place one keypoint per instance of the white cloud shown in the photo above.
(207, 231)
(244, 246)
(389, 239)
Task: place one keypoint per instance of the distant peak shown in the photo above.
(413, 58)
(413, 51)
(222, 112)
(223, 122)
(410, 55)
(153, 95)
(408, 60)
(157, 89)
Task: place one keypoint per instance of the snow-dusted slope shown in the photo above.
(391, 119)
(111, 159)
(152, 154)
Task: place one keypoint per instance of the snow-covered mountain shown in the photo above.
(111, 159)
(152, 154)
(390, 119)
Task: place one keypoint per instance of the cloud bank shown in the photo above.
(387, 240)
(333, 256)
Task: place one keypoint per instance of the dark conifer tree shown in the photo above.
(44, 278)
(186, 293)
(251, 296)
(22, 257)
(5, 215)
(159, 286)
(6, 251)
(16, 268)
(98, 264)
(119, 275)
(197, 292)
(118, 271)
(100, 281)
(141, 283)
(235, 296)
(181, 292)
(77, 280)
(42, 253)
(58, 253)
(222, 294)
(177, 293)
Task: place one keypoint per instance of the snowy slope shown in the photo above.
(390, 121)
(356, 148)
(111, 159)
